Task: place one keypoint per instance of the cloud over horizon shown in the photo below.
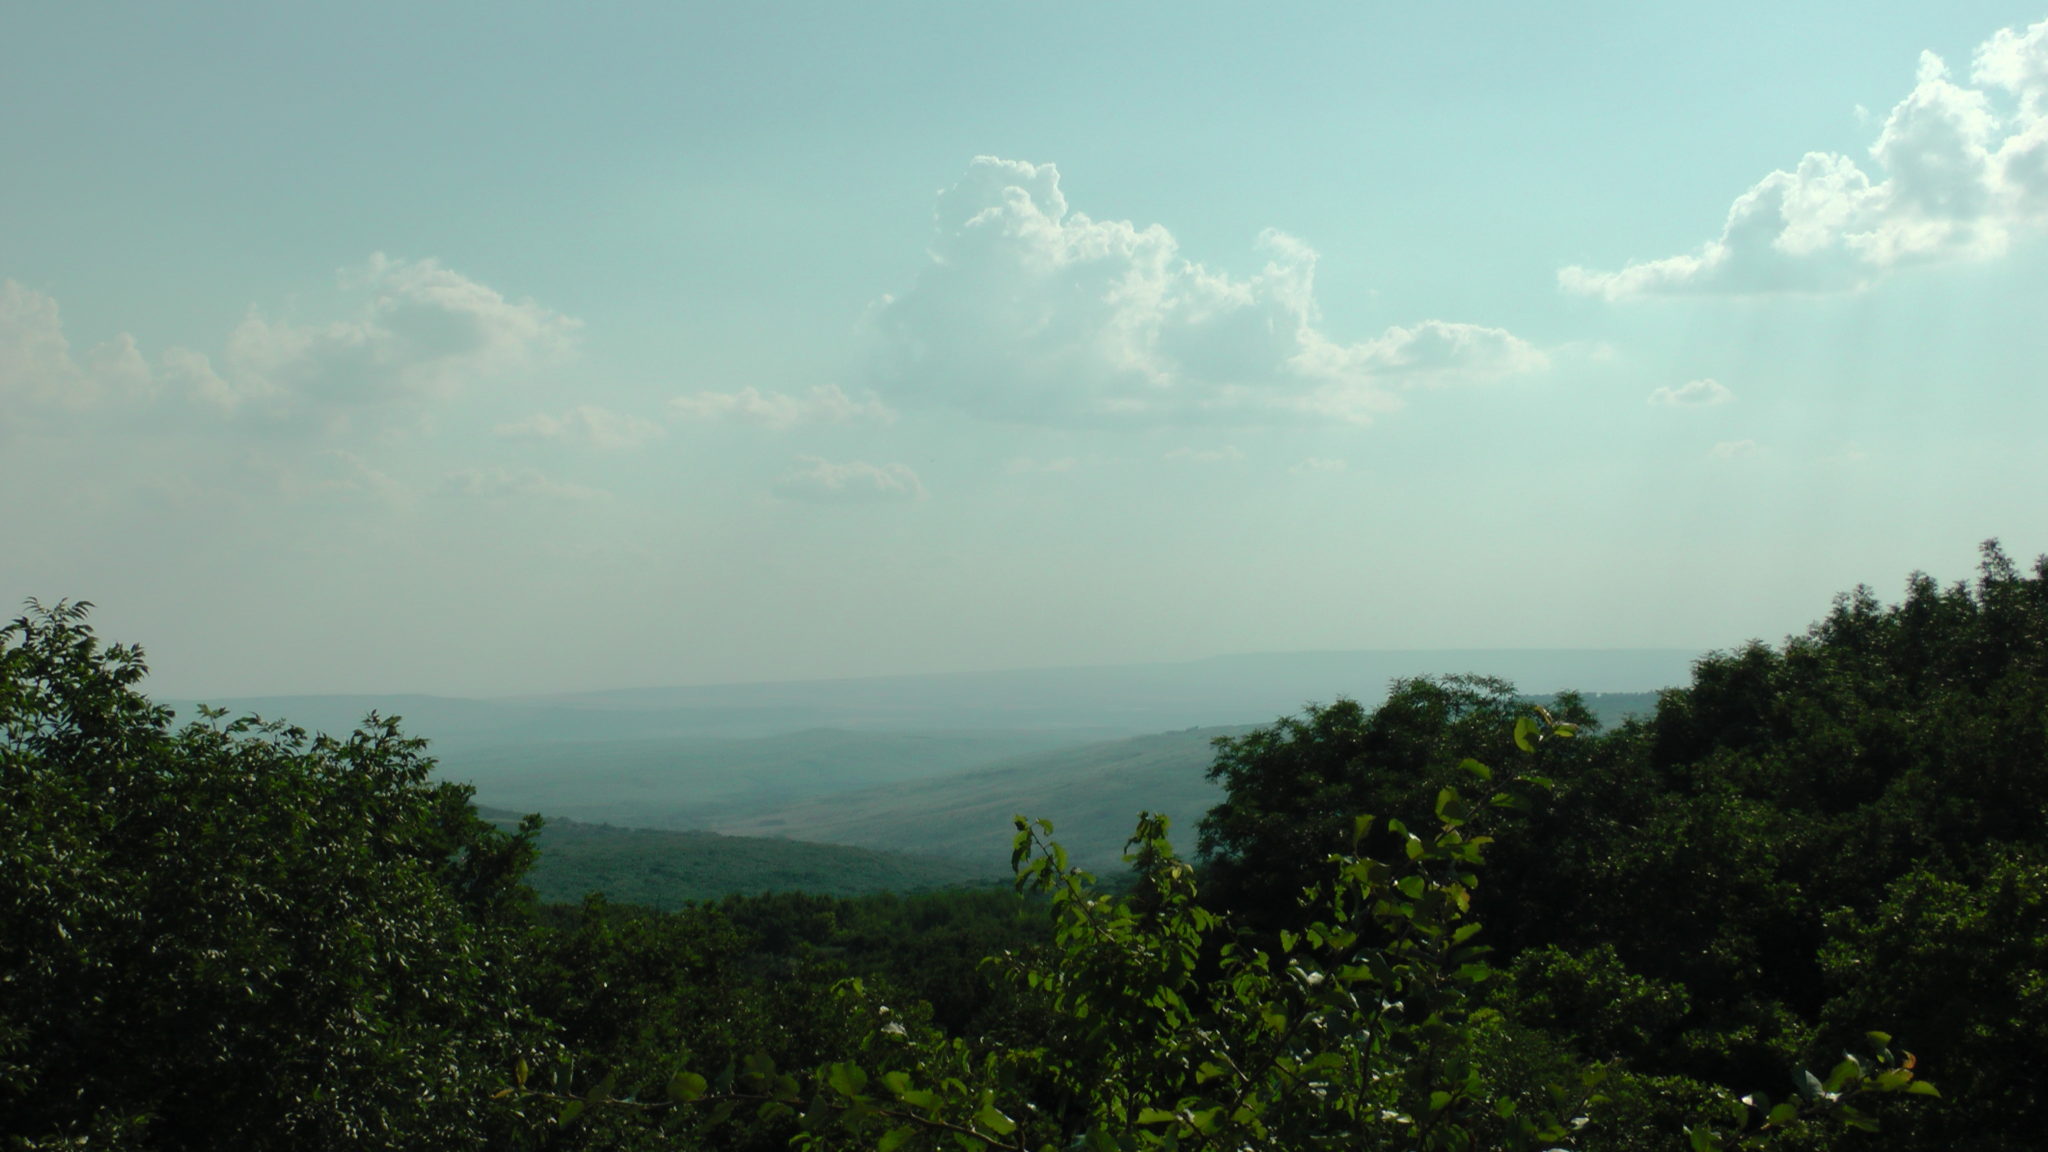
(1952, 178)
(1692, 394)
(37, 368)
(585, 424)
(422, 331)
(1033, 313)
(823, 404)
(854, 482)
(419, 332)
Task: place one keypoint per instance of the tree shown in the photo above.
(1291, 789)
(1365, 1025)
(233, 935)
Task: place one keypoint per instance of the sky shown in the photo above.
(511, 348)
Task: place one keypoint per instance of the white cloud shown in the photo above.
(422, 332)
(585, 424)
(855, 481)
(527, 483)
(1955, 180)
(1030, 312)
(1733, 449)
(38, 370)
(1693, 394)
(1228, 454)
(824, 404)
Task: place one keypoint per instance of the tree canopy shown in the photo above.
(1450, 921)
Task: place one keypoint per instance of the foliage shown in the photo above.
(666, 869)
(1806, 841)
(228, 935)
(1293, 789)
(231, 934)
(1160, 1026)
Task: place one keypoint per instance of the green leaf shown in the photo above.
(1922, 1088)
(1525, 727)
(1450, 807)
(684, 1087)
(1154, 1116)
(994, 1120)
(846, 1079)
(893, 1139)
(1476, 768)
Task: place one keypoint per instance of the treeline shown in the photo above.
(663, 869)
(234, 935)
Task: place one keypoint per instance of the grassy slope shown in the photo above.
(664, 869)
(1091, 794)
(685, 783)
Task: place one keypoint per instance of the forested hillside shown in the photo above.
(1448, 921)
(665, 870)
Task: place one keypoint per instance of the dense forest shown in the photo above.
(1802, 903)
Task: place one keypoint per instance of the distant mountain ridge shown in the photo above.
(933, 763)
(1091, 703)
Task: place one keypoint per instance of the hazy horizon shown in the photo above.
(407, 348)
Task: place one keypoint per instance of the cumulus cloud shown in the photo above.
(38, 370)
(421, 332)
(523, 483)
(1029, 311)
(824, 404)
(1693, 394)
(1733, 449)
(587, 425)
(855, 481)
(1957, 172)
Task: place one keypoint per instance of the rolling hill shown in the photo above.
(1092, 794)
(665, 869)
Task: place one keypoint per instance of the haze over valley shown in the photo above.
(931, 765)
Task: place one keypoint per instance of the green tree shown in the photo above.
(233, 935)
(1292, 789)
(1364, 1026)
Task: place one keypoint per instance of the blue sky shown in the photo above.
(513, 347)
